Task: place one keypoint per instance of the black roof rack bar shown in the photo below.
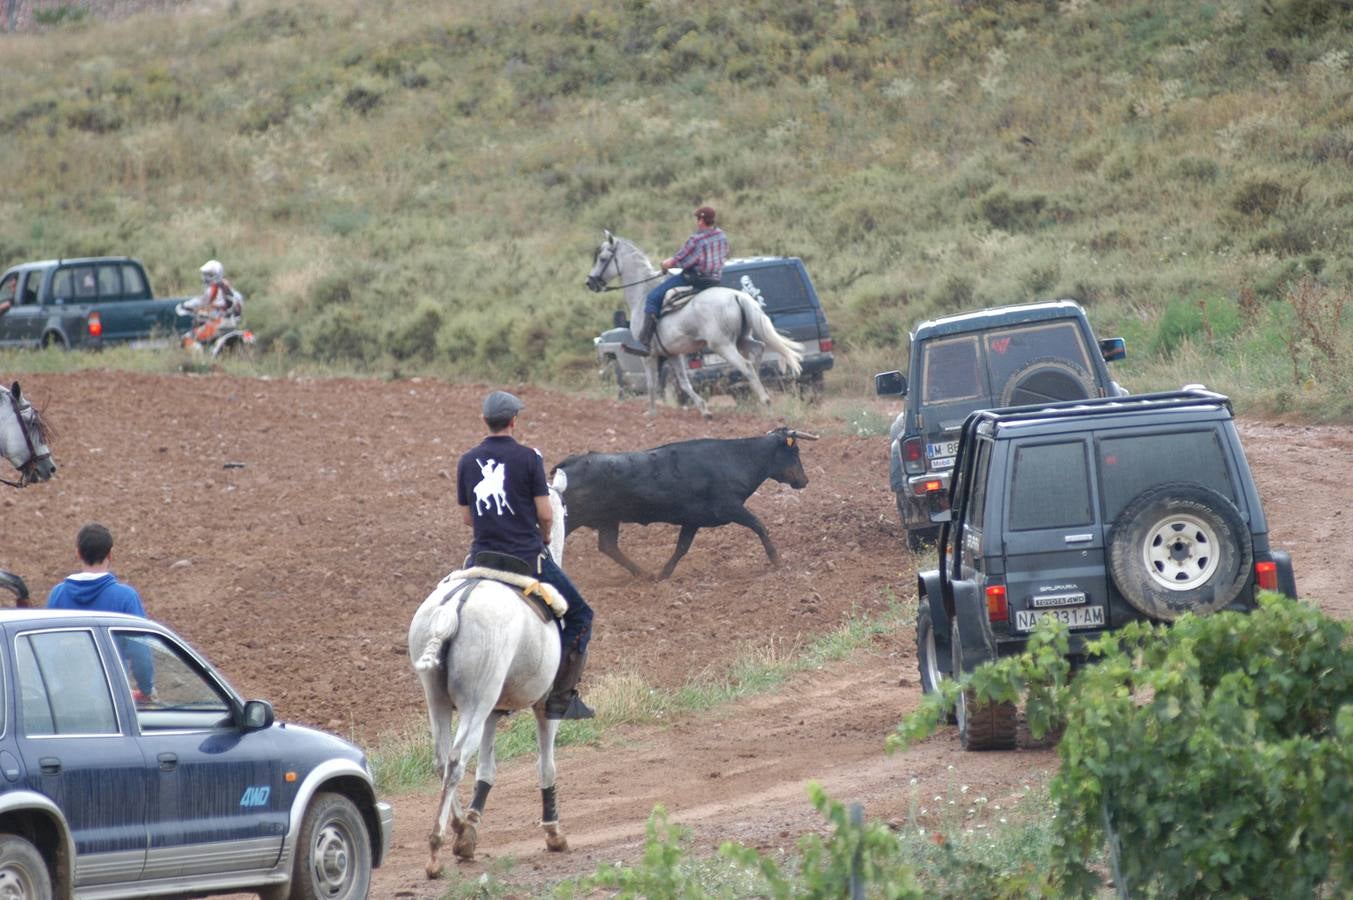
(1071, 408)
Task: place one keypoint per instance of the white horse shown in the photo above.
(729, 322)
(484, 652)
(23, 438)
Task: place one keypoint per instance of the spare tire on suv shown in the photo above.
(1179, 548)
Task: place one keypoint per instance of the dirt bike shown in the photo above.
(230, 338)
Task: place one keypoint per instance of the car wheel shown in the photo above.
(333, 856)
(928, 653)
(23, 874)
(985, 726)
(1179, 548)
(1047, 379)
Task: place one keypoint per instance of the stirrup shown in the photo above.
(576, 709)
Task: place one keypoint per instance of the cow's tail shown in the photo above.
(763, 329)
(558, 528)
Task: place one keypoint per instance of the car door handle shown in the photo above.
(50, 765)
(168, 762)
(1078, 538)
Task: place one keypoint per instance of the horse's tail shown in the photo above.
(763, 329)
(442, 627)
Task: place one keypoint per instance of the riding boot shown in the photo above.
(639, 345)
(564, 702)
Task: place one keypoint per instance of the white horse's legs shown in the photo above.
(546, 730)
(729, 351)
(473, 721)
(486, 771)
(684, 381)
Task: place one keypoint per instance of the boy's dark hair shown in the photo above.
(94, 543)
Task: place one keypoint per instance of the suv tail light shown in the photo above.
(913, 455)
(695, 362)
(95, 325)
(825, 345)
(997, 609)
(1266, 575)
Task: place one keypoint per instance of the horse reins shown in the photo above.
(621, 287)
(23, 428)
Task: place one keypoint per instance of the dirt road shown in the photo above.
(297, 573)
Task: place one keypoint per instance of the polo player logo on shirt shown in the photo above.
(491, 491)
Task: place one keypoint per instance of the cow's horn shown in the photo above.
(801, 435)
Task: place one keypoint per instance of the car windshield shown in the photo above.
(972, 366)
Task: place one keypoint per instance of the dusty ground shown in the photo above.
(297, 574)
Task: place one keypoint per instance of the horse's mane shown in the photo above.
(635, 247)
(41, 426)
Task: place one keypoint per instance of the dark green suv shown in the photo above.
(1004, 356)
(1097, 513)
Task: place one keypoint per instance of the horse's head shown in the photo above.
(23, 438)
(605, 265)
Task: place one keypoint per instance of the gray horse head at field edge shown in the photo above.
(23, 438)
(730, 323)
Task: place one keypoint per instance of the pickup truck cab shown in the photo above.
(89, 302)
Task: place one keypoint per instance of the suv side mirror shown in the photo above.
(258, 715)
(890, 384)
(1113, 349)
(619, 319)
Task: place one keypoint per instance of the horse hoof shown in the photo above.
(434, 870)
(555, 841)
(465, 844)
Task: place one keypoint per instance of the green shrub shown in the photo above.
(1214, 757)
(1013, 213)
(1258, 198)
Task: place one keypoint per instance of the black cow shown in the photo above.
(694, 484)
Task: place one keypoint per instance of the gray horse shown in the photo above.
(23, 438)
(482, 652)
(729, 322)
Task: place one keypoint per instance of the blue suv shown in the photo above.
(131, 768)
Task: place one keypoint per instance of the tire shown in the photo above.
(1179, 548)
(989, 726)
(54, 341)
(1047, 379)
(23, 873)
(333, 855)
(812, 388)
(928, 653)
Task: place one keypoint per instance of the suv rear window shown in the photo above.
(955, 369)
(1129, 465)
(1050, 487)
(776, 288)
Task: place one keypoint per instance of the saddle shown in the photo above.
(679, 296)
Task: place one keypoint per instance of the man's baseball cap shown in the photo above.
(500, 406)
(706, 213)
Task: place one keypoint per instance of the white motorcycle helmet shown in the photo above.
(212, 272)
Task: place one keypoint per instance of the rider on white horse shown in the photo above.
(701, 260)
(504, 497)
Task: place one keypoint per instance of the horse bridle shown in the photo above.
(595, 282)
(25, 470)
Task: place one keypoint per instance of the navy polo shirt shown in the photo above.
(499, 481)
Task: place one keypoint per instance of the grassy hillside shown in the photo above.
(421, 185)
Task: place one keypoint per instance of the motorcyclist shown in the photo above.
(218, 305)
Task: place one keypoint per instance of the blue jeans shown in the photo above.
(578, 619)
(653, 302)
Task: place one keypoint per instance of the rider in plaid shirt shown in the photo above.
(701, 260)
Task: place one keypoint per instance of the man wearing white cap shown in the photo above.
(504, 497)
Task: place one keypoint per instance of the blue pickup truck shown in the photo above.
(87, 303)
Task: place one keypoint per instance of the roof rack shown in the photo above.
(1068, 409)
